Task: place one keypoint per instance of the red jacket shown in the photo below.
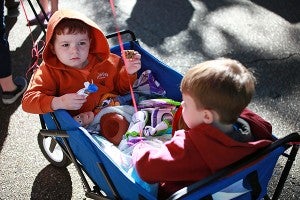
(53, 78)
(195, 154)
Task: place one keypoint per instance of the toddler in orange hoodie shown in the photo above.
(76, 51)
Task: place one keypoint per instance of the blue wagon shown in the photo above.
(63, 141)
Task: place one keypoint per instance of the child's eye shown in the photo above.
(82, 43)
(65, 45)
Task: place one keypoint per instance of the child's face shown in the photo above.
(192, 115)
(84, 118)
(72, 49)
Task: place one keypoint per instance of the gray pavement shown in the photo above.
(263, 35)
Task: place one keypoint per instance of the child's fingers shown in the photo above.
(137, 56)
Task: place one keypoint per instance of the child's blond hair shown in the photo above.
(222, 85)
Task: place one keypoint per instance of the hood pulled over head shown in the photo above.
(99, 44)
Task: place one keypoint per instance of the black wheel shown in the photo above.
(52, 151)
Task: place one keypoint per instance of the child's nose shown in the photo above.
(74, 48)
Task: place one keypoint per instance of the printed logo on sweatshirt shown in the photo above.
(102, 75)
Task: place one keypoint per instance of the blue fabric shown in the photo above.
(168, 78)
(151, 188)
(91, 156)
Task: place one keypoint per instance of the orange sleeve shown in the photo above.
(37, 98)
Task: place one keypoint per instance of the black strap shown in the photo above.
(253, 181)
(208, 197)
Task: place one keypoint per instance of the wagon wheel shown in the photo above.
(52, 151)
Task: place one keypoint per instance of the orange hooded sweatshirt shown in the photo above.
(54, 79)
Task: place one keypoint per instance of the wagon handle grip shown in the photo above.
(122, 32)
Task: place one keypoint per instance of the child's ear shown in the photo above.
(208, 116)
(52, 48)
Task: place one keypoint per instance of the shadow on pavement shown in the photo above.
(5, 112)
(169, 17)
(52, 183)
(20, 58)
(10, 22)
(272, 78)
(289, 10)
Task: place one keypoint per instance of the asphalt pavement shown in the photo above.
(263, 35)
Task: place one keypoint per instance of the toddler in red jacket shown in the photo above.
(219, 129)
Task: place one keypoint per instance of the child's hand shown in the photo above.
(133, 61)
(71, 101)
